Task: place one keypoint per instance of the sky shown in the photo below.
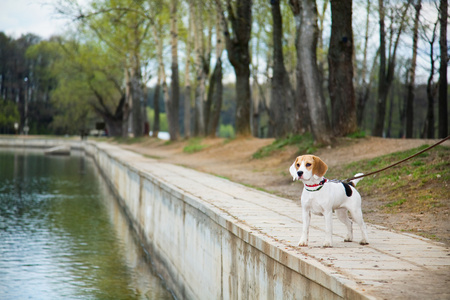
(18, 17)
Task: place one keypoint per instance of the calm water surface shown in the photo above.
(63, 236)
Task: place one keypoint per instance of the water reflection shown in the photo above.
(63, 236)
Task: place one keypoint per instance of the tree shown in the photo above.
(280, 111)
(301, 110)
(366, 76)
(174, 128)
(215, 91)
(89, 80)
(202, 58)
(305, 12)
(428, 128)
(187, 81)
(412, 74)
(386, 73)
(340, 56)
(123, 26)
(237, 44)
(443, 83)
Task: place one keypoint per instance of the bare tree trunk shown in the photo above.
(428, 128)
(443, 83)
(161, 81)
(282, 100)
(213, 121)
(216, 82)
(128, 104)
(199, 112)
(240, 17)
(174, 106)
(321, 60)
(362, 89)
(187, 85)
(320, 124)
(340, 61)
(156, 122)
(138, 100)
(386, 76)
(412, 75)
(301, 111)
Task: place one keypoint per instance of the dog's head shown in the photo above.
(307, 167)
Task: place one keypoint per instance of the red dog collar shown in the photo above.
(317, 184)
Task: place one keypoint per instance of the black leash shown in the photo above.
(397, 163)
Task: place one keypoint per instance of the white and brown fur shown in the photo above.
(325, 198)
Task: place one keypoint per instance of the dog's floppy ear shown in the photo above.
(293, 171)
(319, 168)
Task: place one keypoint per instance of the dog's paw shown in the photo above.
(348, 240)
(364, 242)
(303, 243)
(327, 244)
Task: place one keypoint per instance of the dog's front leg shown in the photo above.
(328, 229)
(305, 232)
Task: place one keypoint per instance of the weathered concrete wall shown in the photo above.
(184, 219)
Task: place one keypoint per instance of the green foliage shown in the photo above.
(163, 122)
(194, 145)
(129, 140)
(226, 131)
(357, 135)
(303, 142)
(396, 203)
(421, 180)
(9, 114)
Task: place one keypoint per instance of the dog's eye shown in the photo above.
(298, 165)
(308, 165)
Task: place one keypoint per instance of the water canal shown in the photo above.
(64, 236)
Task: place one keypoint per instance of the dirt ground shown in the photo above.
(233, 160)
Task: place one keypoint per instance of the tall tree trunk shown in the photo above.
(340, 55)
(386, 76)
(174, 128)
(281, 101)
(240, 17)
(161, 81)
(216, 85)
(443, 84)
(321, 60)
(382, 84)
(216, 89)
(320, 124)
(128, 105)
(412, 75)
(301, 111)
(138, 100)
(364, 91)
(187, 80)
(199, 112)
(156, 122)
(428, 129)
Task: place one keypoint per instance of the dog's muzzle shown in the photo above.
(300, 173)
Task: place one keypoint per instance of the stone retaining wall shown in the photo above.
(200, 248)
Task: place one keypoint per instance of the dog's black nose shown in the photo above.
(300, 173)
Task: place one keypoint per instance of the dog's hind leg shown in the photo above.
(328, 229)
(343, 217)
(358, 218)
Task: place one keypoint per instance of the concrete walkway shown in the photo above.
(393, 266)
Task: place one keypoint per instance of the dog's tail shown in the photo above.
(355, 181)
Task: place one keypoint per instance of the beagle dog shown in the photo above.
(321, 196)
